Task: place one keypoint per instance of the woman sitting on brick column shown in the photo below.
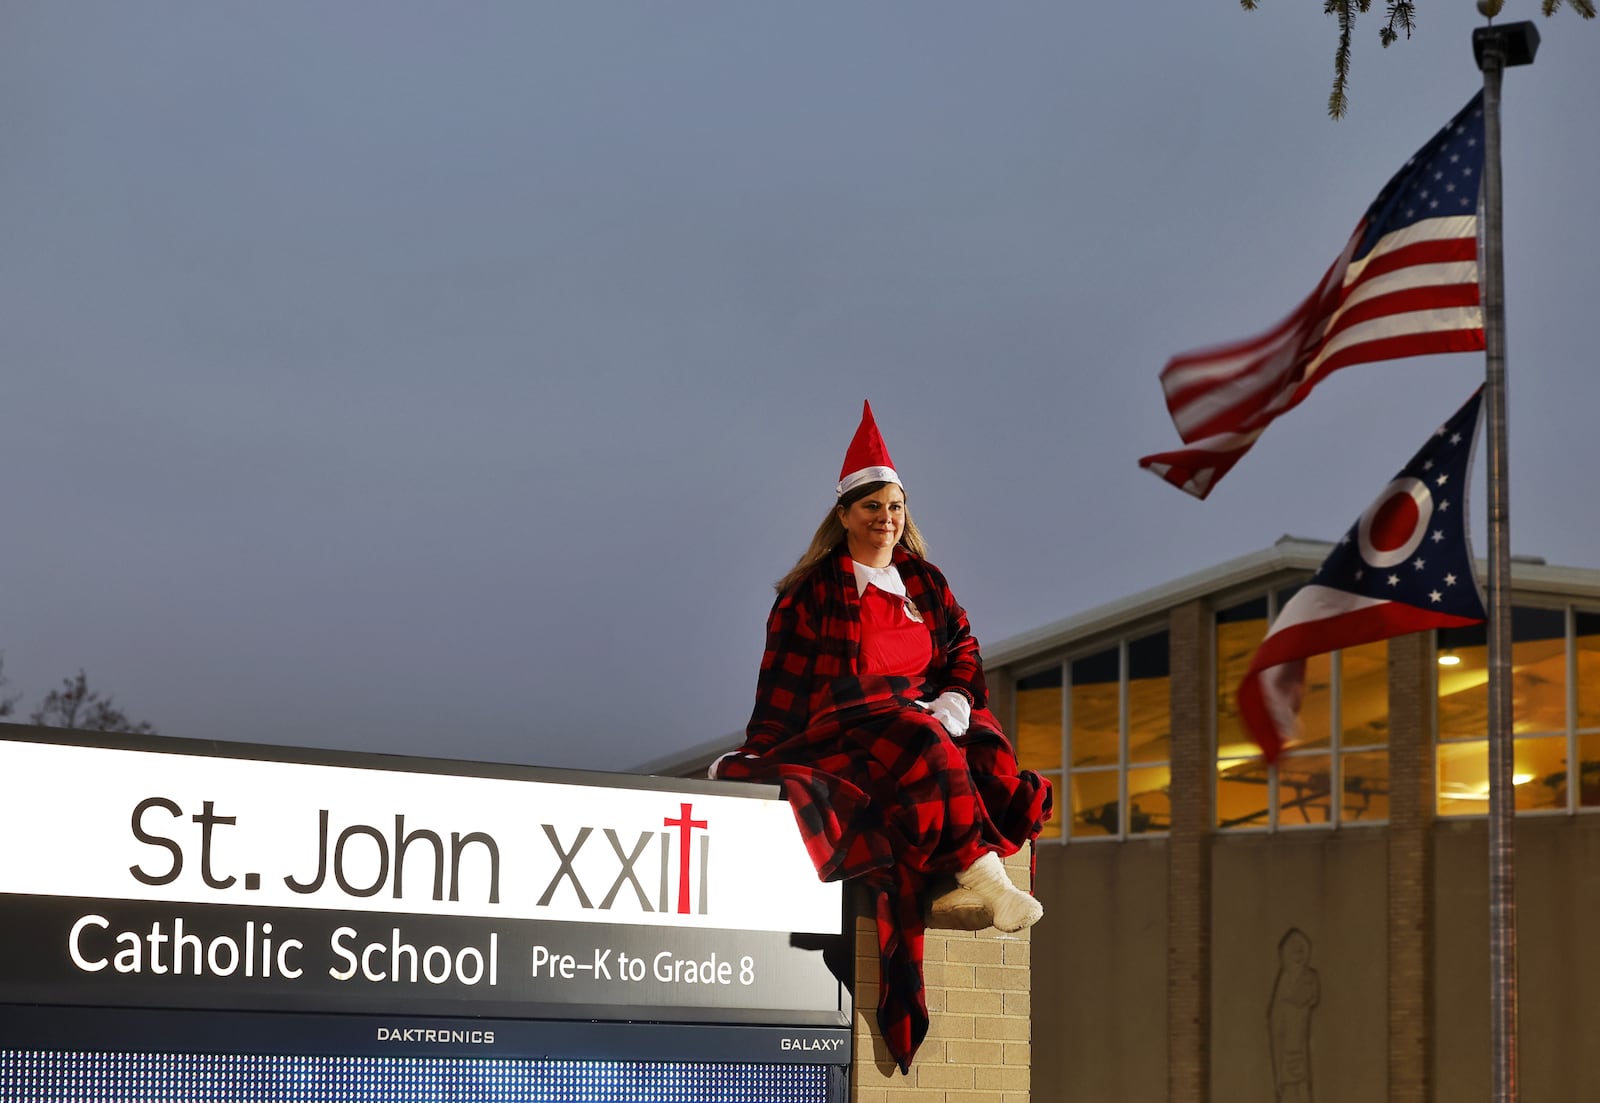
(871, 714)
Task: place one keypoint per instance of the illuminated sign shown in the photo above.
(167, 873)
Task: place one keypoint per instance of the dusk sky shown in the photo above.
(457, 379)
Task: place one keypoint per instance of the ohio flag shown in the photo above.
(1404, 566)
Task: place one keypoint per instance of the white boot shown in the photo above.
(959, 909)
(1013, 908)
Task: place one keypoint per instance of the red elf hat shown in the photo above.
(866, 460)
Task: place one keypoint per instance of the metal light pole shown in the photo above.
(1496, 48)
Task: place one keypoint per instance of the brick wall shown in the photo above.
(979, 988)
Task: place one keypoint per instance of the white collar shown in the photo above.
(886, 579)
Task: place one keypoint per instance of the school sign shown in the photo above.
(409, 905)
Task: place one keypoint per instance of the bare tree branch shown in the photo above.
(75, 705)
(7, 704)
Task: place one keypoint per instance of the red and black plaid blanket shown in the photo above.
(882, 794)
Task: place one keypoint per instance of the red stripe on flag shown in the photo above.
(1409, 301)
(1393, 348)
(1300, 641)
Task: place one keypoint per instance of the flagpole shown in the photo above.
(1495, 49)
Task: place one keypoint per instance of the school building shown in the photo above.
(1218, 930)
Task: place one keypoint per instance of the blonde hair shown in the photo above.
(830, 534)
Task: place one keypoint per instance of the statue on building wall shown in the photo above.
(1295, 993)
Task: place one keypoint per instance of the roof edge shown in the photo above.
(1528, 574)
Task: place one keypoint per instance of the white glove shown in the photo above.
(952, 710)
(711, 771)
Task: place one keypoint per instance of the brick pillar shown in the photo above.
(1193, 788)
(1411, 814)
(978, 985)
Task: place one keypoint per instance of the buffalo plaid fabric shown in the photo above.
(882, 793)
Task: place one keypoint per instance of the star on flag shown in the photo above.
(1404, 566)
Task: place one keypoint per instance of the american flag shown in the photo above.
(1404, 566)
(1406, 284)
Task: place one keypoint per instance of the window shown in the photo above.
(1555, 712)
(1098, 727)
(1337, 771)
(1586, 704)
(1038, 731)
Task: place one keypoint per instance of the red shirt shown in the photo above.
(891, 642)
